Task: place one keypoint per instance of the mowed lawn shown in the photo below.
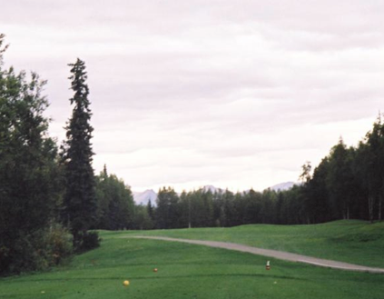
(186, 271)
(357, 242)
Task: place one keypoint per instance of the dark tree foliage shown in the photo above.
(317, 203)
(168, 212)
(340, 181)
(359, 206)
(185, 210)
(348, 183)
(28, 171)
(115, 206)
(373, 155)
(150, 210)
(79, 199)
(369, 168)
(142, 220)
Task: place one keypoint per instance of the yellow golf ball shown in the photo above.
(126, 283)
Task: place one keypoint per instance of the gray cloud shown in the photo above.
(237, 94)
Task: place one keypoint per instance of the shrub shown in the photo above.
(35, 251)
(87, 241)
(60, 244)
(28, 253)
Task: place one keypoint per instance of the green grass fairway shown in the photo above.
(356, 242)
(187, 271)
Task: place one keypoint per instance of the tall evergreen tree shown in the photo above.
(79, 200)
(340, 181)
(150, 210)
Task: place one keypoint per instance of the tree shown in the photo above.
(340, 180)
(206, 212)
(103, 198)
(317, 197)
(231, 212)
(373, 154)
(115, 206)
(151, 211)
(167, 213)
(28, 170)
(185, 209)
(360, 166)
(79, 200)
(142, 219)
(121, 206)
(306, 174)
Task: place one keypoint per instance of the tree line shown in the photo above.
(347, 184)
(203, 208)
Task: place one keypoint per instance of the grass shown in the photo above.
(357, 242)
(190, 271)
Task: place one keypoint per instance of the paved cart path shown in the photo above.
(273, 253)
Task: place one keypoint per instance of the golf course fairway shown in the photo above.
(186, 271)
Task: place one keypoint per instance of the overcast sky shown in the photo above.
(236, 94)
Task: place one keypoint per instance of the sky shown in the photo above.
(235, 94)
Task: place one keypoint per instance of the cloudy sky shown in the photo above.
(236, 94)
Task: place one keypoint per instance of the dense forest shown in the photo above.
(51, 201)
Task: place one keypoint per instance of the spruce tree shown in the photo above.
(79, 200)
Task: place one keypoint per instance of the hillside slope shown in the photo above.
(350, 241)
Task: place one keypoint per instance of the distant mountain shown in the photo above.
(144, 197)
(283, 186)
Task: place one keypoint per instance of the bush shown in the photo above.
(60, 244)
(86, 241)
(28, 253)
(36, 251)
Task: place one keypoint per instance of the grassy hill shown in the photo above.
(190, 271)
(352, 241)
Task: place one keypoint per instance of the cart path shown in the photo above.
(272, 253)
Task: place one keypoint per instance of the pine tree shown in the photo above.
(79, 200)
(150, 210)
(340, 181)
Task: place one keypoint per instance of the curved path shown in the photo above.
(273, 253)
